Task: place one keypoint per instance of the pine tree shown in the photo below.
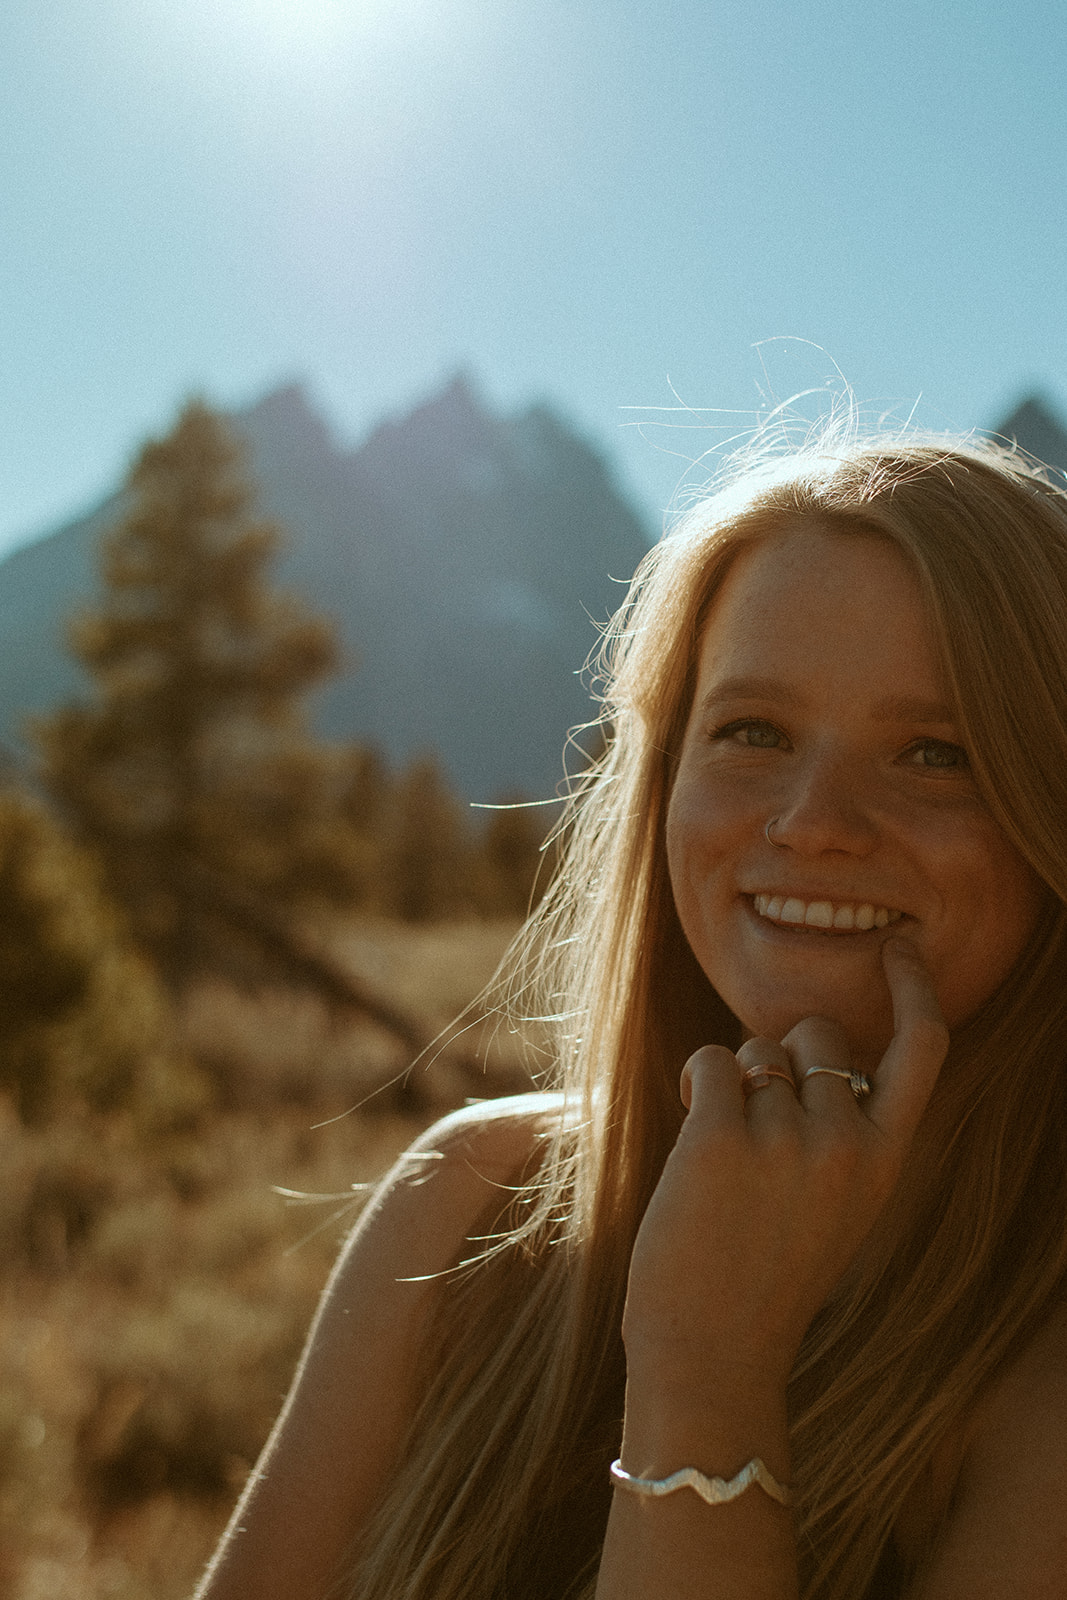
(514, 869)
(426, 870)
(82, 1020)
(365, 799)
(190, 770)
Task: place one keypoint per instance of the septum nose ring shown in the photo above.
(767, 833)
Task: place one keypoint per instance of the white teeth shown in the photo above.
(823, 914)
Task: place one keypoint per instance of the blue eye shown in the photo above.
(754, 733)
(939, 755)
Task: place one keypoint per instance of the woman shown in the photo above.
(796, 1219)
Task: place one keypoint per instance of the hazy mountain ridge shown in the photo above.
(461, 553)
(467, 558)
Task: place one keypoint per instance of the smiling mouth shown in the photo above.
(845, 916)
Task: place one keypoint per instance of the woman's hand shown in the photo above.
(764, 1202)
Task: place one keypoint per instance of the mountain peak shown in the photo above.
(1036, 426)
(288, 417)
(453, 424)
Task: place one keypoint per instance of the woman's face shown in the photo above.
(823, 801)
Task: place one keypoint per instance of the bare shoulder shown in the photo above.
(1006, 1532)
(355, 1391)
(482, 1144)
(418, 1217)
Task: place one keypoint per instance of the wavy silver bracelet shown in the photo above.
(714, 1491)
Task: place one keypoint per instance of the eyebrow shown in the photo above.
(893, 708)
(911, 708)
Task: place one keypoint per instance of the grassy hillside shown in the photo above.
(155, 1296)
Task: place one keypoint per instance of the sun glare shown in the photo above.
(320, 58)
(295, 28)
(277, 40)
(297, 24)
(275, 31)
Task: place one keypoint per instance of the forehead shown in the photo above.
(812, 599)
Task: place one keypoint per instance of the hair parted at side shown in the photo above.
(504, 1488)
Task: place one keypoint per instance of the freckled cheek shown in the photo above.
(703, 820)
(990, 904)
(696, 851)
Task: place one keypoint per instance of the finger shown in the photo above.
(908, 1070)
(760, 1052)
(823, 1060)
(818, 1038)
(710, 1083)
(782, 1085)
(765, 1064)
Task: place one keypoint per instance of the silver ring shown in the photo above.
(858, 1082)
(767, 834)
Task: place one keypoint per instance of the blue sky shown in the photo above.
(603, 203)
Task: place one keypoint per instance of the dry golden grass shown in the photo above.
(280, 1045)
(154, 1299)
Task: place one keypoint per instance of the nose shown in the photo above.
(824, 811)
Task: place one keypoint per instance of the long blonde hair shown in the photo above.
(503, 1490)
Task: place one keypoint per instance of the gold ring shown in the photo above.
(759, 1077)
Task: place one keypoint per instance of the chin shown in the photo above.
(868, 1028)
